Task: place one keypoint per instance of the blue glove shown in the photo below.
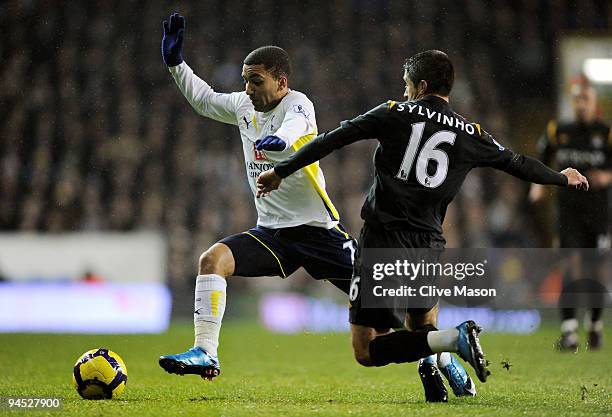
(270, 143)
(172, 42)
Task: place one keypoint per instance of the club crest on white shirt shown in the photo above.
(258, 155)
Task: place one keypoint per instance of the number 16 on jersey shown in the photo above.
(428, 152)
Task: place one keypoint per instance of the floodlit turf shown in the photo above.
(305, 374)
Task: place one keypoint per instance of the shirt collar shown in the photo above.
(436, 102)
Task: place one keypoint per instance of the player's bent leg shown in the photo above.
(326, 254)
(215, 265)
(218, 259)
(410, 346)
(395, 347)
(361, 338)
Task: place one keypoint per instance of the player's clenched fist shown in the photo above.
(576, 179)
(267, 182)
(172, 42)
(270, 143)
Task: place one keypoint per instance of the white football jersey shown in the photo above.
(301, 198)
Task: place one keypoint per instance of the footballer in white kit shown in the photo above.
(303, 200)
(296, 227)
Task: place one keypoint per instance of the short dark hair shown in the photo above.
(433, 66)
(274, 59)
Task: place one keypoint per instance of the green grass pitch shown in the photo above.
(304, 375)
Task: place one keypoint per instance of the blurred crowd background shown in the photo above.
(96, 136)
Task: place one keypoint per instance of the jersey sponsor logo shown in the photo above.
(258, 155)
(578, 157)
(246, 122)
(298, 108)
(255, 168)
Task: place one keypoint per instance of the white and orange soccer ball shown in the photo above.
(99, 374)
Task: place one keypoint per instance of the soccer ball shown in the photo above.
(99, 374)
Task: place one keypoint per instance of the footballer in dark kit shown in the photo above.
(586, 144)
(424, 153)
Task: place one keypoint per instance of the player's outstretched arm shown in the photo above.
(324, 144)
(203, 99)
(362, 127)
(532, 170)
(318, 148)
(488, 152)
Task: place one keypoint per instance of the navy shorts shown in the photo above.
(393, 316)
(324, 253)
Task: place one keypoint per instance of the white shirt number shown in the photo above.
(428, 152)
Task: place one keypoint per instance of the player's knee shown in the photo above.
(361, 338)
(214, 261)
(361, 350)
(207, 263)
(362, 357)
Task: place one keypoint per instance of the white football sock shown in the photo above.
(444, 359)
(208, 311)
(569, 326)
(443, 340)
(594, 326)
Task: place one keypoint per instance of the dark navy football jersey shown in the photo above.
(579, 145)
(424, 154)
(583, 218)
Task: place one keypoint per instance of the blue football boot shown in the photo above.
(458, 378)
(195, 361)
(468, 348)
(435, 391)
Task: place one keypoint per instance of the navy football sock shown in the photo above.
(399, 347)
